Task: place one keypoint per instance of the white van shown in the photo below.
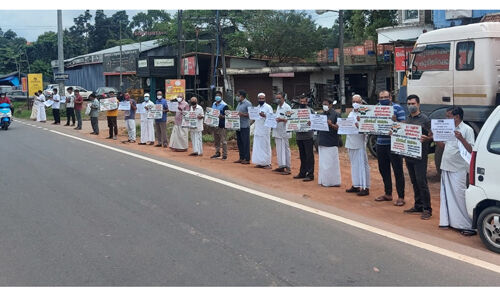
(458, 66)
(483, 194)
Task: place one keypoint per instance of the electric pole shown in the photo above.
(121, 71)
(179, 52)
(341, 61)
(60, 51)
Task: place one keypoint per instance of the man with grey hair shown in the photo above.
(356, 148)
(281, 136)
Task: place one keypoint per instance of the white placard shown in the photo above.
(298, 120)
(212, 117)
(49, 103)
(319, 122)
(405, 139)
(271, 120)
(254, 113)
(232, 121)
(463, 152)
(375, 119)
(108, 104)
(124, 105)
(156, 112)
(173, 106)
(443, 130)
(140, 108)
(63, 99)
(347, 126)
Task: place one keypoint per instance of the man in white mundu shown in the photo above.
(281, 136)
(197, 133)
(356, 148)
(261, 150)
(41, 116)
(147, 125)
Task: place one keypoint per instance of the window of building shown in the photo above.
(410, 16)
(465, 56)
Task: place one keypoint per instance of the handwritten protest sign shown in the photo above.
(253, 113)
(232, 120)
(375, 119)
(271, 121)
(109, 104)
(212, 117)
(140, 108)
(298, 120)
(173, 106)
(319, 122)
(443, 130)
(405, 139)
(124, 105)
(49, 103)
(347, 126)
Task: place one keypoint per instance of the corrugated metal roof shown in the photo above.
(142, 46)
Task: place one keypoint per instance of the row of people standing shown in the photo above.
(74, 105)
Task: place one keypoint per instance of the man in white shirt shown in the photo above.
(356, 148)
(261, 151)
(70, 107)
(454, 170)
(197, 133)
(147, 125)
(41, 116)
(281, 136)
(55, 107)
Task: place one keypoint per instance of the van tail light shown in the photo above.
(472, 170)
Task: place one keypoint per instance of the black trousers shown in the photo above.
(94, 121)
(57, 116)
(306, 158)
(113, 126)
(385, 160)
(418, 176)
(243, 139)
(70, 113)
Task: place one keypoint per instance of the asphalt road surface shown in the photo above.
(74, 214)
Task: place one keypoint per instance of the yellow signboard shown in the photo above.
(174, 87)
(35, 83)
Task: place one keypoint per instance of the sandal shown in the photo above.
(383, 198)
(400, 202)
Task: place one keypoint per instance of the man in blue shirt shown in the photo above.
(161, 124)
(220, 132)
(386, 158)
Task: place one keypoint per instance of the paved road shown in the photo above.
(74, 214)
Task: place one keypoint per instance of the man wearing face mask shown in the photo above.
(243, 135)
(179, 137)
(197, 133)
(161, 124)
(281, 136)
(386, 158)
(454, 170)
(356, 148)
(329, 164)
(220, 132)
(417, 168)
(147, 125)
(261, 151)
(130, 118)
(305, 144)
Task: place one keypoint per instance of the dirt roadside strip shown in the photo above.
(332, 200)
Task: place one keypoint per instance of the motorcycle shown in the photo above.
(5, 116)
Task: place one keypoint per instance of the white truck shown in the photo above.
(457, 66)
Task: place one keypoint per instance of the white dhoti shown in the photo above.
(41, 116)
(197, 141)
(147, 131)
(179, 138)
(360, 169)
(261, 150)
(282, 152)
(329, 166)
(34, 111)
(453, 211)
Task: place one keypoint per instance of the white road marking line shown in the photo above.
(445, 252)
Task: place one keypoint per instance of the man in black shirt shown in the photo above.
(329, 165)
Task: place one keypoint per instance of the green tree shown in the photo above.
(40, 66)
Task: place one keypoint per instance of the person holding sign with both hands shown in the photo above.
(329, 164)
(261, 152)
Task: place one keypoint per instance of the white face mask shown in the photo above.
(355, 105)
(179, 99)
(159, 97)
(326, 108)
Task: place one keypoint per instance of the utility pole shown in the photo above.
(121, 71)
(179, 52)
(60, 51)
(341, 61)
(223, 58)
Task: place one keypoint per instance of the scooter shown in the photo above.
(5, 116)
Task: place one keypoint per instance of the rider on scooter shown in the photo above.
(4, 99)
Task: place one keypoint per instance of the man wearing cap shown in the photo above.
(161, 124)
(147, 125)
(220, 132)
(261, 151)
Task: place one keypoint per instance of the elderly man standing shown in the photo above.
(161, 124)
(281, 136)
(305, 144)
(356, 148)
(197, 133)
(220, 131)
(41, 116)
(147, 125)
(261, 151)
(243, 135)
(386, 158)
(454, 169)
(179, 136)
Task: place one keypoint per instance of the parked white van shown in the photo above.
(483, 194)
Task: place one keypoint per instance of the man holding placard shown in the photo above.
(281, 136)
(220, 131)
(147, 124)
(417, 168)
(386, 158)
(161, 124)
(179, 136)
(305, 144)
(197, 132)
(454, 171)
(56, 106)
(329, 164)
(130, 118)
(261, 151)
(243, 135)
(355, 144)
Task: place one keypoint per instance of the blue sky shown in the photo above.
(31, 23)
